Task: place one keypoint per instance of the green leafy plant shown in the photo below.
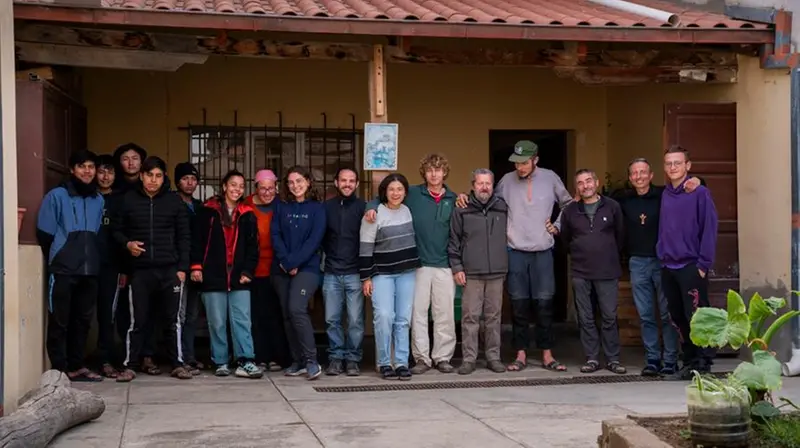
(738, 326)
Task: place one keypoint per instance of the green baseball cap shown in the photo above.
(524, 150)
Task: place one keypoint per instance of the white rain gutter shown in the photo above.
(640, 10)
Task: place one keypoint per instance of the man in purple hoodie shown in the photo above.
(687, 240)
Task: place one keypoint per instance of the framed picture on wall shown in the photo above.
(380, 146)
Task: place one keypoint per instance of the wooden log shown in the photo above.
(48, 411)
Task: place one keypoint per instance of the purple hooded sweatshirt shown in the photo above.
(687, 230)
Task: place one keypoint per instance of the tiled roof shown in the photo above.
(535, 12)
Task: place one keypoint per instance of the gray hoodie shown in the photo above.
(527, 217)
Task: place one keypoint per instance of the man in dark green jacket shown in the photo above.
(431, 205)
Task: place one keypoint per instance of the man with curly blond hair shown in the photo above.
(431, 204)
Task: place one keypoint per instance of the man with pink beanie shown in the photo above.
(269, 339)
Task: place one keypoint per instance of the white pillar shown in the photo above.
(8, 112)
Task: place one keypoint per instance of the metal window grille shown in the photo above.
(215, 150)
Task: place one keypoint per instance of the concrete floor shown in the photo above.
(286, 412)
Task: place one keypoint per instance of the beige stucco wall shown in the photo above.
(763, 139)
(439, 108)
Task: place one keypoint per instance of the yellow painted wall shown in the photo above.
(439, 108)
(635, 129)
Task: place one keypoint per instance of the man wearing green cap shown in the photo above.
(530, 193)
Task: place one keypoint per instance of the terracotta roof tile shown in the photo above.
(535, 12)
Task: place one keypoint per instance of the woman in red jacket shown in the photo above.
(224, 257)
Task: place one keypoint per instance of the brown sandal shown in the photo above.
(109, 371)
(181, 373)
(126, 376)
(149, 367)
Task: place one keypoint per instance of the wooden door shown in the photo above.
(708, 132)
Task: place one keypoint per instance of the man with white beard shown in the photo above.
(479, 260)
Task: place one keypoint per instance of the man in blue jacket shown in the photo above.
(67, 229)
(687, 242)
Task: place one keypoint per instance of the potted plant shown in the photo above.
(718, 414)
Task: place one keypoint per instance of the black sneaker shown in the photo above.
(403, 373)
(335, 368)
(669, 368)
(352, 369)
(652, 368)
(684, 374)
(388, 373)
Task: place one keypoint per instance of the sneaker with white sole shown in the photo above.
(222, 370)
(294, 370)
(314, 370)
(249, 370)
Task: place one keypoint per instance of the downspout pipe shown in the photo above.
(792, 367)
(779, 55)
(3, 212)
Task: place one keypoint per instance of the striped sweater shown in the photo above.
(388, 245)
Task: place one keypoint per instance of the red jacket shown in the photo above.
(264, 220)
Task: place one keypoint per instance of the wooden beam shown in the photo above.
(556, 55)
(378, 113)
(104, 58)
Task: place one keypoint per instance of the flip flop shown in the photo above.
(85, 376)
(126, 376)
(109, 371)
(517, 366)
(554, 366)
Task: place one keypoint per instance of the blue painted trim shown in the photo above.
(795, 160)
(750, 14)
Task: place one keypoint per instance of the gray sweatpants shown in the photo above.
(607, 292)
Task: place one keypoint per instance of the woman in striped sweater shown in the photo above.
(388, 260)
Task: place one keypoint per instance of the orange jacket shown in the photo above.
(265, 254)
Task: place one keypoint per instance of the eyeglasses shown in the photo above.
(266, 190)
(675, 163)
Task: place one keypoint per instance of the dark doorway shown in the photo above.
(553, 156)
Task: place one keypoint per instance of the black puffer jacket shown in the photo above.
(210, 249)
(160, 222)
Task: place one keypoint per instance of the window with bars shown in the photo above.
(215, 150)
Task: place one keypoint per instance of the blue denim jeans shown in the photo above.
(342, 292)
(219, 307)
(651, 303)
(392, 302)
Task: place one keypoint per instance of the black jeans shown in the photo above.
(189, 312)
(531, 286)
(686, 291)
(107, 283)
(152, 289)
(269, 334)
(607, 293)
(71, 304)
(294, 293)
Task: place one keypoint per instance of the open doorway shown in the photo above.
(553, 156)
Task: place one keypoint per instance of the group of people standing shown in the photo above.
(117, 237)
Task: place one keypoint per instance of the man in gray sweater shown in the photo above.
(530, 193)
(479, 260)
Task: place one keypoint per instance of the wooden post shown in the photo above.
(377, 114)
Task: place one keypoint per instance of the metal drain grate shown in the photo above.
(522, 382)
